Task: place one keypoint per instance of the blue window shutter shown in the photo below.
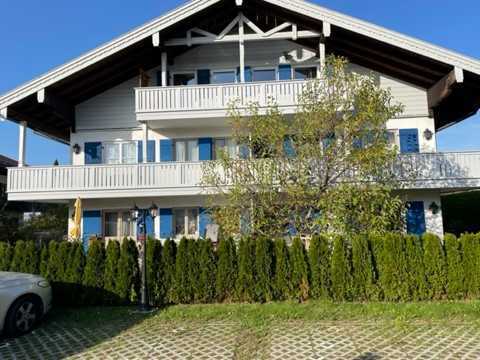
(409, 141)
(166, 150)
(166, 223)
(151, 151)
(92, 226)
(93, 153)
(416, 218)
(248, 74)
(205, 219)
(140, 151)
(285, 72)
(205, 146)
(203, 77)
(288, 147)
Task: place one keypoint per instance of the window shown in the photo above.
(264, 75)
(186, 150)
(393, 138)
(120, 153)
(184, 79)
(223, 77)
(117, 224)
(185, 222)
(224, 144)
(305, 73)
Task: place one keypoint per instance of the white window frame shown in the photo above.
(185, 140)
(396, 134)
(304, 66)
(185, 224)
(119, 236)
(120, 152)
(225, 138)
(213, 71)
(186, 72)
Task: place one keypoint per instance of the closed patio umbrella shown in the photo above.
(77, 218)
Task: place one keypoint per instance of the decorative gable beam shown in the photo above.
(4, 113)
(327, 29)
(229, 27)
(251, 25)
(442, 89)
(156, 39)
(59, 106)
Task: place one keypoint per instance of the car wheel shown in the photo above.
(23, 315)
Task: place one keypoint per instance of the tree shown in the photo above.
(44, 260)
(417, 282)
(93, 277)
(6, 254)
(470, 244)
(31, 258)
(282, 280)
(74, 274)
(227, 270)
(455, 268)
(128, 275)
(111, 272)
(155, 272)
(18, 260)
(319, 259)
(168, 263)
(294, 172)
(299, 266)
(435, 267)
(54, 262)
(263, 269)
(245, 286)
(207, 272)
(341, 270)
(363, 268)
(184, 271)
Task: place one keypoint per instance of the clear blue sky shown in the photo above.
(38, 35)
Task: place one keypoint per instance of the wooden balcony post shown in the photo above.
(164, 69)
(22, 134)
(145, 143)
(241, 33)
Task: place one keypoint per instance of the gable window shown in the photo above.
(186, 150)
(185, 222)
(224, 144)
(223, 77)
(117, 224)
(264, 74)
(305, 73)
(120, 152)
(184, 79)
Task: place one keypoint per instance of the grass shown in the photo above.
(259, 315)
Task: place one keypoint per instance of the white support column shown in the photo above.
(164, 69)
(22, 134)
(321, 51)
(145, 143)
(241, 42)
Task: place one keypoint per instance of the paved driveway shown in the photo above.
(153, 338)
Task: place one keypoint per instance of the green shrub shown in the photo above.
(74, 274)
(319, 261)
(6, 254)
(471, 263)
(18, 263)
(227, 270)
(435, 267)
(128, 275)
(341, 271)
(455, 270)
(111, 272)
(93, 277)
(43, 266)
(363, 270)
(282, 280)
(184, 272)
(54, 262)
(207, 272)
(31, 258)
(299, 274)
(168, 264)
(155, 272)
(245, 286)
(416, 281)
(392, 267)
(263, 269)
(64, 249)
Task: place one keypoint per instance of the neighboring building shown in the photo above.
(142, 112)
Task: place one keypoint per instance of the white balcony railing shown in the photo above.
(216, 97)
(432, 170)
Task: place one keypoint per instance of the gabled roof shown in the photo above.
(351, 31)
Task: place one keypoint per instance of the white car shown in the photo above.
(24, 300)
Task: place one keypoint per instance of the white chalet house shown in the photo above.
(142, 112)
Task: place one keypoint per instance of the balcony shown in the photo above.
(444, 171)
(176, 106)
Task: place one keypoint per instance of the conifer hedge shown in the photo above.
(391, 267)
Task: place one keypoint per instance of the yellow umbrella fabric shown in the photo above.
(77, 218)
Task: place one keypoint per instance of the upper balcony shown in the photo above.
(443, 171)
(175, 106)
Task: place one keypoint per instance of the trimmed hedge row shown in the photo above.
(393, 267)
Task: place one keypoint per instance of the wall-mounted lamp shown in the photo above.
(428, 134)
(76, 149)
(434, 208)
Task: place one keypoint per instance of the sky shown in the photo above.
(39, 35)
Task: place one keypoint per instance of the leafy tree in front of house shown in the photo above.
(294, 171)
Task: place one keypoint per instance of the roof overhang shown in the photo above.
(47, 102)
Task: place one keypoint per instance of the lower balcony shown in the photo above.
(441, 171)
